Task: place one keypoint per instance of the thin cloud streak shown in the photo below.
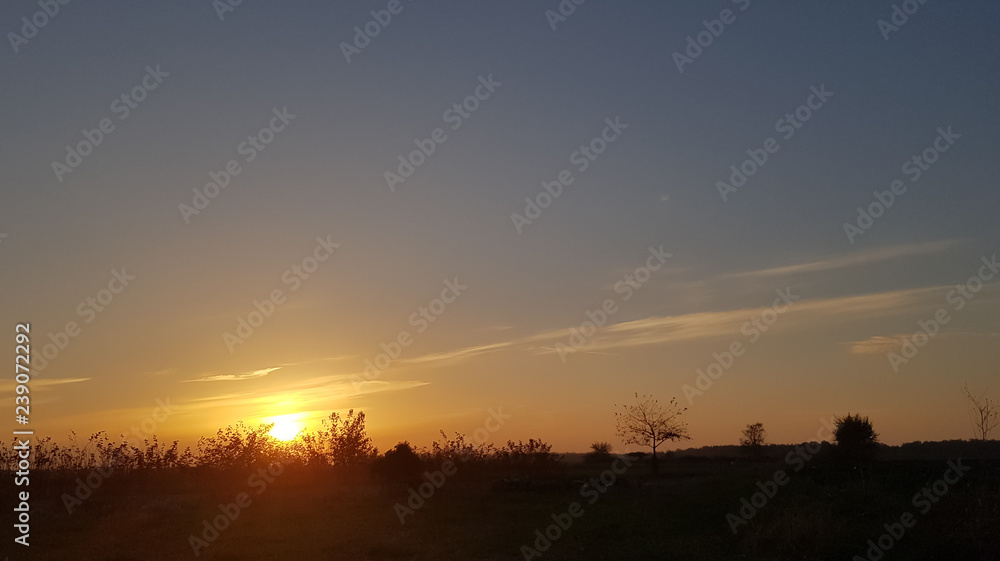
(700, 325)
(236, 377)
(323, 397)
(852, 259)
(36, 383)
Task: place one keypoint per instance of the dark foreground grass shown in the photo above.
(826, 512)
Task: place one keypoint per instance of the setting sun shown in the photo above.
(286, 427)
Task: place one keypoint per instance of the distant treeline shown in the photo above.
(939, 450)
(342, 444)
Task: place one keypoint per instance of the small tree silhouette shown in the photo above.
(753, 436)
(855, 436)
(647, 423)
(985, 415)
(752, 440)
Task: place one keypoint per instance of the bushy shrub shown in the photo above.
(856, 438)
(400, 465)
(342, 442)
(600, 452)
(238, 447)
(525, 459)
(459, 450)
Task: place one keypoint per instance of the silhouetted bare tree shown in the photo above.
(753, 436)
(649, 424)
(985, 415)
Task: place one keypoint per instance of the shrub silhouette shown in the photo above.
(533, 457)
(459, 450)
(599, 452)
(237, 447)
(100, 452)
(856, 438)
(341, 442)
(400, 465)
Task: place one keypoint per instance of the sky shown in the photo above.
(316, 233)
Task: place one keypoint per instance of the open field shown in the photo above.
(821, 512)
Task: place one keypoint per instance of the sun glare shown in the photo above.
(286, 427)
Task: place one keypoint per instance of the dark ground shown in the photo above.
(822, 512)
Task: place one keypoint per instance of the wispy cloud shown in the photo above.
(702, 325)
(878, 345)
(7, 386)
(227, 396)
(464, 352)
(235, 377)
(882, 344)
(805, 313)
(853, 259)
(57, 382)
(378, 386)
(319, 393)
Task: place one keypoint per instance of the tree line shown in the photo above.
(341, 443)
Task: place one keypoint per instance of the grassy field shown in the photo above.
(821, 512)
